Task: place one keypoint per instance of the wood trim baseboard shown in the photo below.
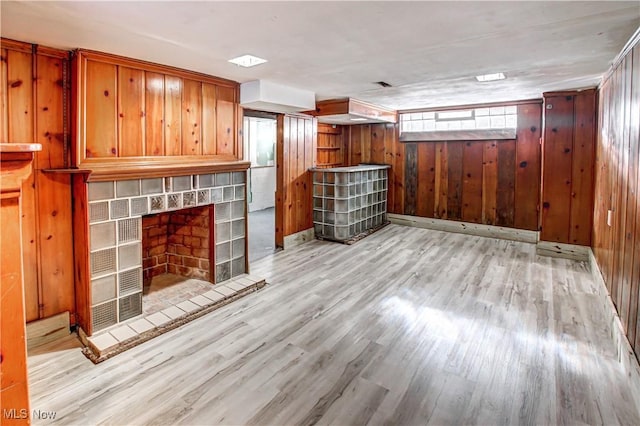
(476, 229)
(298, 238)
(566, 251)
(626, 357)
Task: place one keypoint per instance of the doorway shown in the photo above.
(260, 145)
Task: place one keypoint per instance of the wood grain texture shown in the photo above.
(582, 168)
(154, 114)
(332, 146)
(172, 115)
(50, 113)
(101, 135)
(296, 146)
(556, 176)
(527, 190)
(617, 188)
(505, 207)
(472, 182)
(20, 102)
(411, 178)
(225, 129)
(209, 130)
(489, 182)
(426, 180)
(455, 152)
(131, 112)
(192, 117)
(408, 326)
(4, 107)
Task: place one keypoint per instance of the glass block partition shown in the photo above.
(348, 201)
(115, 234)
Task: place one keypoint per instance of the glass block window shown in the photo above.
(501, 117)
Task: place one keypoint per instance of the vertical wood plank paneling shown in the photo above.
(55, 241)
(30, 235)
(192, 117)
(292, 161)
(49, 112)
(377, 144)
(20, 96)
(557, 152)
(154, 114)
(209, 119)
(472, 182)
(633, 221)
(527, 192)
(395, 153)
(172, 115)
(411, 178)
(4, 113)
(489, 182)
(282, 153)
(455, 151)
(101, 110)
(355, 145)
(301, 206)
(297, 146)
(617, 187)
(442, 180)
(225, 141)
(582, 168)
(131, 112)
(366, 143)
(505, 208)
(426, 180)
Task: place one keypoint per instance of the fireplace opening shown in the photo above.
(177, 256)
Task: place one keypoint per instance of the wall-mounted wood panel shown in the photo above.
(46, 198)
(295, 155)
(479, 181)
(132, 111)
(617, 190)
(154, 108)
(567, 172)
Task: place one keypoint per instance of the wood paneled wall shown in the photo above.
(296, 149)
(490, 182)
(568, 162)
(128, 109)
(331, 145)
(378, 144)
(617, 190)
(32, 89)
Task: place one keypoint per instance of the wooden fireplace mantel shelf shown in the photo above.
(16, 163)
(123, 170)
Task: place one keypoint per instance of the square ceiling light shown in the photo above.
(247, 61)
(491, 77)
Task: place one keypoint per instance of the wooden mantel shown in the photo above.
(15, 166)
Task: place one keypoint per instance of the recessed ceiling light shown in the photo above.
(491, 77)
(247, 61)
(358, 119)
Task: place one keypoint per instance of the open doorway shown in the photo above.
(260, 145)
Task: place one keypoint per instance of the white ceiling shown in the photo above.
(429, 51)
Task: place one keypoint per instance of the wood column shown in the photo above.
(16, 166)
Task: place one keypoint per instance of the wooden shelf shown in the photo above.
(120, 170)
(329, 148)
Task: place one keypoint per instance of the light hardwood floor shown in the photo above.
(407, 326)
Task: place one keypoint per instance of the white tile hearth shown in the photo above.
(125, 335)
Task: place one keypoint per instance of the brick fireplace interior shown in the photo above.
(178, 242)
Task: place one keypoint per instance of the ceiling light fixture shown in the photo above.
(247, 61)
(358, 119)
(491, 77)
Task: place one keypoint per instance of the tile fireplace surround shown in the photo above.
(115, 210)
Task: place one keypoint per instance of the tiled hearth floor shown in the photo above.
(189, 300)
(168, 289)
